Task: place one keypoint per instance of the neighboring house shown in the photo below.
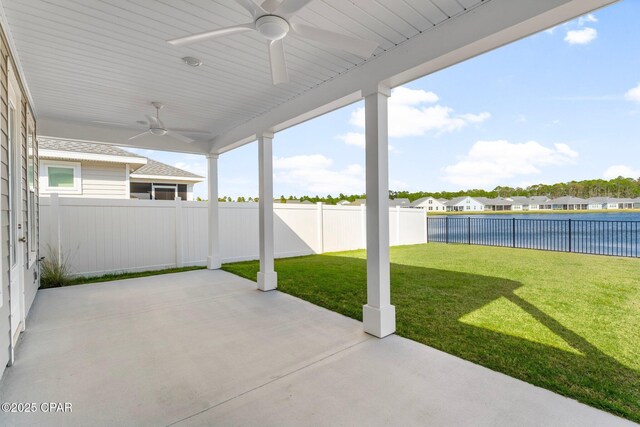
(522, 203)
(624, 203)
(158, 181)
(598, 203)
(464, 204)
(498, 204)
(343, 203)
(569, 203)
(87, 169)
(636, 203)
(430, 204)
(612, 203)
(405, 203)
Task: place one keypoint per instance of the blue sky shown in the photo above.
(561, 105)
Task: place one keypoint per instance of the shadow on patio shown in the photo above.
(479, 318)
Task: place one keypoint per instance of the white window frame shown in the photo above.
(77, 177)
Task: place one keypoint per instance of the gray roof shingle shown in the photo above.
(83, 147)
(160, 169)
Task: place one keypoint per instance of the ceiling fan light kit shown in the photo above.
(272, 27)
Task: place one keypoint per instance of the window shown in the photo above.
(153, 191)
(61, 177)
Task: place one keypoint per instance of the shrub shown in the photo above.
(54, 270)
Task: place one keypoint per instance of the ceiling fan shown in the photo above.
(156, 127)
(272, 19)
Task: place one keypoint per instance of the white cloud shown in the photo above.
(315, 174)
(582, 36)
(357, 139)
(621, 170)
(633, 94)
(490, 163)
(411, 113)
(590, 18)
(353, 138)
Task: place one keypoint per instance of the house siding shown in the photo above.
(100, 180)
(104, 180)
(31, 279)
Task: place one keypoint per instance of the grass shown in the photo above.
(81, 280)
(567, 322)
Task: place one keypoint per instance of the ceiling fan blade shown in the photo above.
(279, 73)
(187, 130)
(209, 35)
(253, 8)
(153, 121)
(179, 137)
(289, 7)
(270, 6)
(360, 47)
(100, 122)
(138, 135)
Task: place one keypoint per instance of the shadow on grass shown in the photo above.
(429, 305)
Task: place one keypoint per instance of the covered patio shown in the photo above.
(207, 348)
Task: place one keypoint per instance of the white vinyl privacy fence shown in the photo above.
(99, 236)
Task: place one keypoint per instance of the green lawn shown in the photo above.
(566, 322)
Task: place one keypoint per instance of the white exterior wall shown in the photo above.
(432, 205)
(104, 180)
(104, 236)
(470, 205)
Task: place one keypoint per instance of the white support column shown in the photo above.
(379, 316)
(267, 277)
(214, 261)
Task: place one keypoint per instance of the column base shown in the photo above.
(214, 263)
(267, 281)
(379, 322)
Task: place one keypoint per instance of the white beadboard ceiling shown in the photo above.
(87, 60)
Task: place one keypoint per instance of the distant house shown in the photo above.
(498, 204)
(400, 202)
(522, 203)
(598, 203)
(87, 169)
(358, 202)
(343, 203)
(569, 203)
(464, 204)
(636, 203)
(430, 204)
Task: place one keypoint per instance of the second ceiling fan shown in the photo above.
(272, 19)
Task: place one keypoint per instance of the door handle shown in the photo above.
(22, 239)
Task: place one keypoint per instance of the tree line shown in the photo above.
(618, 187)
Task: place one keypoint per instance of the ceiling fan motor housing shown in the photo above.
(272, 27)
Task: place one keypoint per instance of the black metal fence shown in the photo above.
(616, 238)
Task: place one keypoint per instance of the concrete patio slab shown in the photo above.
(207, 348)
